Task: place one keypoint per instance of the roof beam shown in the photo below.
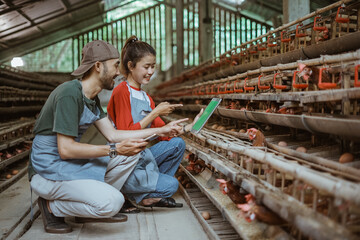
(49, 19)
(52, 37)
(15, 7)
(32, 23)
(66, 4)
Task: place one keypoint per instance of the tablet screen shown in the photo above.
(206, 115)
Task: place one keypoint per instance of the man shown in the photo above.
(79, 179)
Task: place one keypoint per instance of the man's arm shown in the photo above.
(113, 135)
(70, 149)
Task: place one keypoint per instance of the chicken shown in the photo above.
(252, 211)
(233, 191)
(8, 155)
(312, 73)
(308, 196)
(195, 166)
(27, 146)
(257, 137)
(273, 108)
(17, 150)
(234, 105)
(323, 35)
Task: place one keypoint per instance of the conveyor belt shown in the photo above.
(217, 227)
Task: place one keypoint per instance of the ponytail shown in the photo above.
(133, 51)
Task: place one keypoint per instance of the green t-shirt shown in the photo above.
(63, 108)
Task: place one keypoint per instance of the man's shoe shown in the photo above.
(116, 218)
(52, 224)
(166, 203)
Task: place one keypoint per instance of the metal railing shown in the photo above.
(147, 24)
(231, 29)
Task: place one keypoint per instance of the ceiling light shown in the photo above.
(17, 62)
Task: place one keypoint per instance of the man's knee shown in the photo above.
(111, 205)
(41, 186)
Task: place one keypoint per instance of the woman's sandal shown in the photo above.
(128, 207)
(166, 202)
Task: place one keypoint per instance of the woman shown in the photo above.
(130, 108)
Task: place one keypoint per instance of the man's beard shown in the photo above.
(106, 79)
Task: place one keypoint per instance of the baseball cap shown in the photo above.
(94, 51)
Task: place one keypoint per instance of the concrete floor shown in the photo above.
(156, 223)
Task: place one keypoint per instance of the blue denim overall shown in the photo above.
(145, 176)
(47, 162)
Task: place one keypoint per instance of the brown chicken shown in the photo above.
(257, 137)
(196, 165)
(312, 73)
(252, 211)
(233, 191)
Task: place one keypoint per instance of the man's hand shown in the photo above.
(172, 129)
(130, 147)
(165, 108)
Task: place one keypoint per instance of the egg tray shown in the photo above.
(15, 130)
(5, 183)
(224, 211)
(217, 227)
(28, 79)
(292, 45)
(289, 206)
(347, 128)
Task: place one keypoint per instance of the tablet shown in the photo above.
(214, 103)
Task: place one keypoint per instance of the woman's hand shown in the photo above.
(172, 129)
(165, 108)
(130, 147)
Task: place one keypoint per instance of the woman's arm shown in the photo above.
(163, 108)
(153, 117)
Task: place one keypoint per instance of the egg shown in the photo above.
(188, 185)
(233, 130)
(282, 144)
(221, 128)
(346, 157)
(8, 176)
(214, 126)
(206, 215)
(301, 149)
(242, 131)
(180, 178)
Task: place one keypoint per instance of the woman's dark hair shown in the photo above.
(134, 50)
